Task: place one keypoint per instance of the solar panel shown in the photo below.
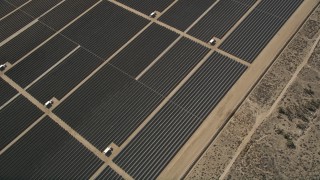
(144, 50)
(7, 92)
(5, 8)
(157, 143)
(48, 151)
(147, 6)
(105, 28)
(40, 60)
(109, 173)
(66, 12)
(183, 13)
(24, 43)
(65, 76)
(17, 116)
(212, 25)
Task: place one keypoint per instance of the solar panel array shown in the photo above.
(143, 50)
(183, 13)
(172, 67)
(148, 6)
(5, 8)
(212, 25)
(17, 116)
(149, 152)
(109, 173)
(255, 32)
(120, 78)
(66, 75)
(40, 60)
(48, 151)
(115, 104)
(17, 48)
(7, 92)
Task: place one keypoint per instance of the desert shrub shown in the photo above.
(279, 131)
(287, 136)
(290, 144)
(281, 110)
(308, 91)
(315, 103)
(302, 126)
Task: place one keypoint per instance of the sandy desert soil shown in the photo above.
(275, 132)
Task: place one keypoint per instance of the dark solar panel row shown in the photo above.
(48, 151)
(105, 28)
(183, 13)
(171, 68)
(17, 116)
(21, 18)
(66, 12)
(157, 143)
(12, 23)
(63, 78)
(35, 64)
(109, 174)
(24, 43)
(36, 8)
(17, 2)
(246, 2)
(108, 107)
(147, 6)
(144, 49)
(202, 92)
(219, 20)
(6, 91)
(132, 107)
(5, 8)
(252, 35)
(282, 9)
(256, 31)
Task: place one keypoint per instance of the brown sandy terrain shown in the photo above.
(274, 134)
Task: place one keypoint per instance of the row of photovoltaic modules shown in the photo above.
(111, 104)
